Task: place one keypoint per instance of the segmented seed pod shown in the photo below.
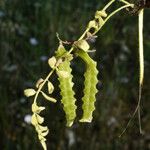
(67, 93)
(90, 90)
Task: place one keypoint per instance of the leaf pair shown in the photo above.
(31, 92)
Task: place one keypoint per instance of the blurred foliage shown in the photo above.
(28, 37)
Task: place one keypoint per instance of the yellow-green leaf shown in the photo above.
(39, 119)
(82, 44)
(92, 24)
(52, 61)
(50, 87)
(100, 14)
(29, 92)
(48, 97)
(42, 128)
(37, 109)
(44, 133)
(34, 120)
(41, 138)
(39, 82)
(60, 51)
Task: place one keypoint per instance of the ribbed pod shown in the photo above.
(90, 87)
(67, 92)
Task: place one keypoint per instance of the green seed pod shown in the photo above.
(67, 92)
(90, 90)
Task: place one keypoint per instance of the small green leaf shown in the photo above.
(82, 44)
(45, 133)
(42, 128)
(50, 87)
(100, 14)
(37, 109)
(39, 82)
(48, 97)
(52, 61)
(41, 138)
(39, 119)
(34, 120)
(60, 51)
(29, 92)
(92, 24)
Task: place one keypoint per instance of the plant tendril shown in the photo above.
(141, 74)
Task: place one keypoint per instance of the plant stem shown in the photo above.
(125, 2)
(141, 72)
(108, 5)
(141, 62)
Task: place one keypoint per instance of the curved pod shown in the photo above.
(67, 93)
(90, 90)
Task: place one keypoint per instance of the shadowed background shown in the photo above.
(28, 38)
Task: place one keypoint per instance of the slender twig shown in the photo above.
(125, 2)
(141, 62)
(108, 5)
(141, 74)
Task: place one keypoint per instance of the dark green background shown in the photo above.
(22, 64)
